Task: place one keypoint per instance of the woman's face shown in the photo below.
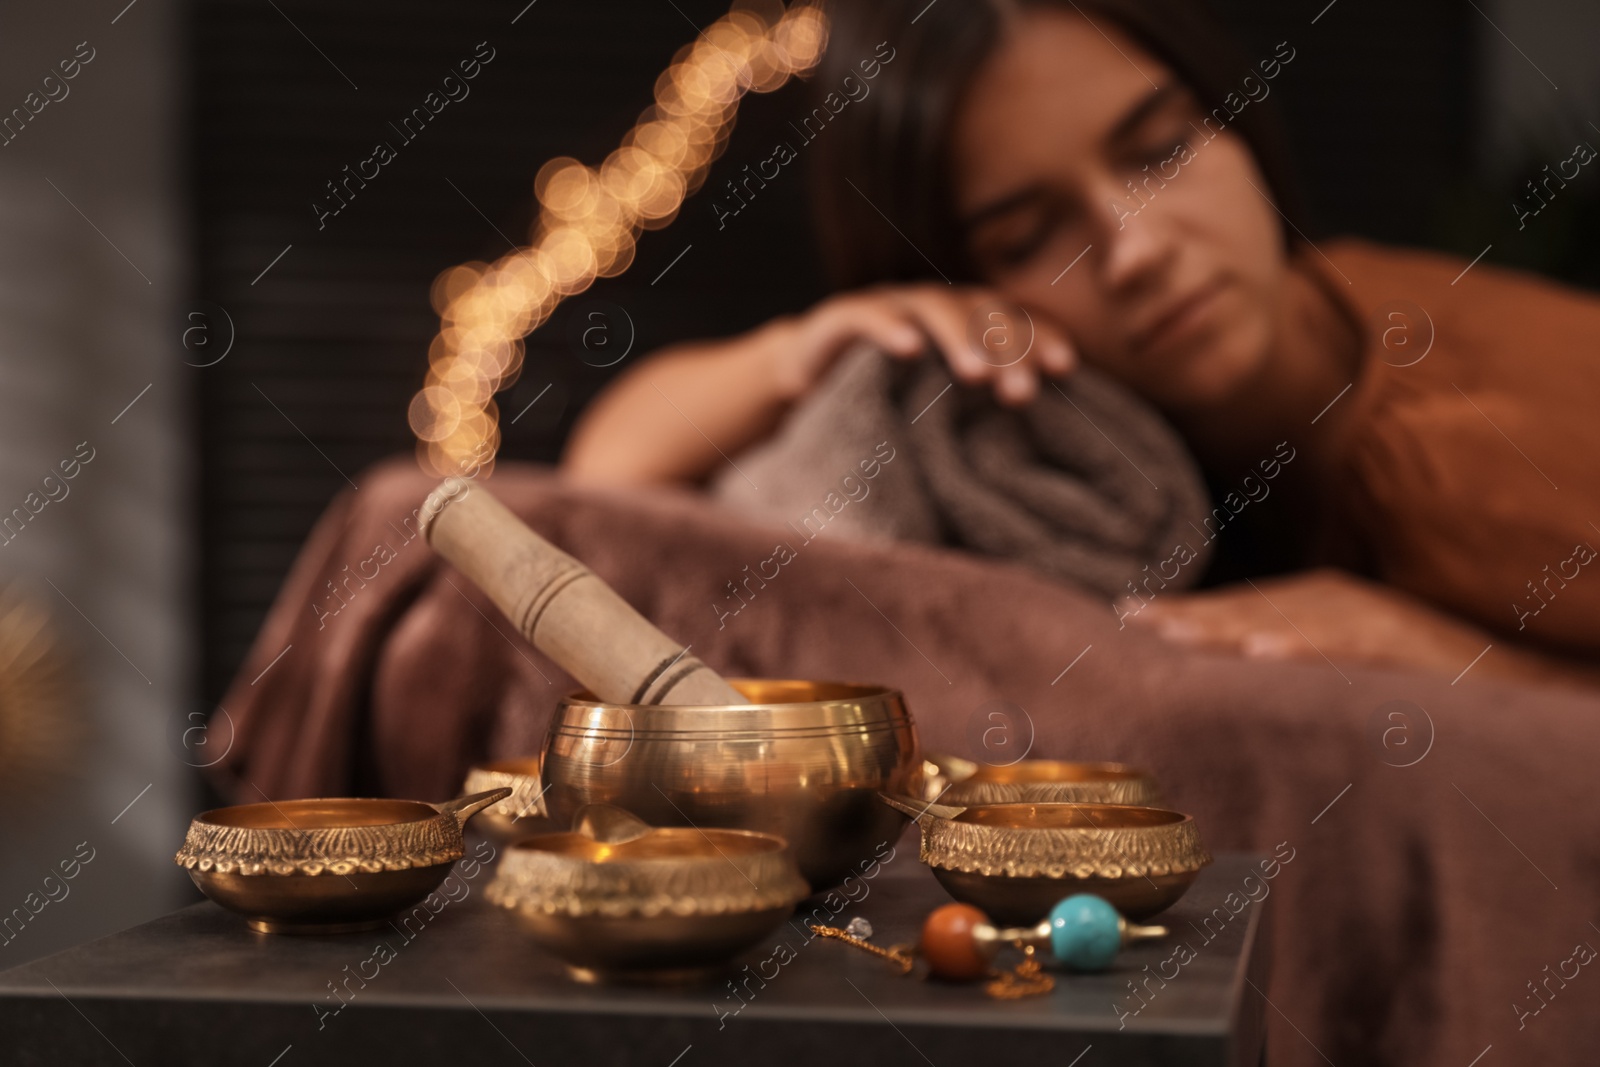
(1177, 288)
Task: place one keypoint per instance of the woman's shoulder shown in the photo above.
(1428, 321)
(1444, 340)
(1372, 274)
(1473, 403)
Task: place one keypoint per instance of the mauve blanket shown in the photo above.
(1423, 913)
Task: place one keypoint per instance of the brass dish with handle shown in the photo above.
(327, 865)
(953, 780)
(520, 814)
(1015, 861)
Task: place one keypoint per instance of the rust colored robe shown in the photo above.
(1471, 477)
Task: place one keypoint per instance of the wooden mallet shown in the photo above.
(562, 607)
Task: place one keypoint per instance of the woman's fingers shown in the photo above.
(885, 326)
(1195, 619)
(1016, 386)
(943, 316)
(1006, 335)
(982, 338)
(1056, 357)
(1263, 644)
(1222, 620)
(987, 340)
(843, 322)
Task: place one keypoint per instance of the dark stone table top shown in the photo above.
(199, 987)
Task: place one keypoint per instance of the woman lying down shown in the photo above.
(1398, 448)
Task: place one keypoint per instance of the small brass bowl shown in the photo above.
(517, 816)
(952, 780)
(619, 901)
(326, 865)
(1015, 861)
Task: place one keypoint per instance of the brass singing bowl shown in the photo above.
(327, 865)
(805, 760)
(953, 780)
(519, 814)
(1016, 861)
(619, 901)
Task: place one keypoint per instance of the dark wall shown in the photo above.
(331, 340)
(1381, 106)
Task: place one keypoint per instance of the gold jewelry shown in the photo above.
(1028, 980)
(902, 956)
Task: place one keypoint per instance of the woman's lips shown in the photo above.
(1180, 319)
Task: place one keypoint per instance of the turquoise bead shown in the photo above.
(1085, 933)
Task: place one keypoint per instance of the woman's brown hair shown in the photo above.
(885, 154)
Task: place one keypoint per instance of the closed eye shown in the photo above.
(1014, 241)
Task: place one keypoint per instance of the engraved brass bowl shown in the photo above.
(518, 815)
(952, 780)
(327, 865)
(805, 760)
(1015, 861)
(620, 901)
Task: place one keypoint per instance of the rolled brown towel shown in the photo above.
(1087, 484)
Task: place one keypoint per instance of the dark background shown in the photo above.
(1383, 101)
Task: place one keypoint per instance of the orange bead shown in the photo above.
(948, 945)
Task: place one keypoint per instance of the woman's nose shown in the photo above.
(1138, 246)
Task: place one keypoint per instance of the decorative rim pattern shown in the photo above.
(1064, 852)
(538, 882)
(751, 733)
(1140, 792)
(525, 791)
(329, 850)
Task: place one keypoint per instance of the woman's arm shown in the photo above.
(676, 416)
(1334, 616)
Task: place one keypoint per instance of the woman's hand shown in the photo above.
(1317, 614)
(982, 337)
(1329, 614)
(680, 414)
